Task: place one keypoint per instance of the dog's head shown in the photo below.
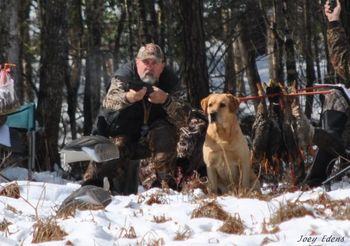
(220, 107)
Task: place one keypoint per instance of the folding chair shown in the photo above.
(23, 118)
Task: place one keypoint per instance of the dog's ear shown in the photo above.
(234, 102)
(204, 104)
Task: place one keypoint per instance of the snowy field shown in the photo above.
(165, 217)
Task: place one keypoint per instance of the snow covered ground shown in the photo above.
(161, 217)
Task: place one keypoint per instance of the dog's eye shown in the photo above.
(210, 104)
(222, 105)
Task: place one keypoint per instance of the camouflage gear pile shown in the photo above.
(190, 144)
(189, 154)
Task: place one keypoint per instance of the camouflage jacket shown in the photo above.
(173, 110)
(339, 49)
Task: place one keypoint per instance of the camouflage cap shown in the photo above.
(150, 51)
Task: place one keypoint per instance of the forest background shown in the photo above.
(66, 52)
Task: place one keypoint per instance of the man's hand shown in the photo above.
(158, 96)
(332, 15)
(134, 96)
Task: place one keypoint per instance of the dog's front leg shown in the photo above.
(213, 179)
(245, 177)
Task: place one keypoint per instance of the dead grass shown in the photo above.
(182, 234)
(289, 211)
(211, 210)
(140, 198)
(127, 232)
(157, 198)
(233, 225)
(68, 243)
(47, 230)
(4, 226)
(151, 242)
(12, 209)
(266, 230)
(250, 194)
(195, 182)
(160, 219)
(11, 190)
(150, 239)
(340, 208)
(154, 198)
(343, 214)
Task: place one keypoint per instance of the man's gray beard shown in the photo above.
(149, 79)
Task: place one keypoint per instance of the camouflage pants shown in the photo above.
(157, 152)
(336, 101)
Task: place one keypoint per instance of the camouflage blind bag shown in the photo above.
(8, 99)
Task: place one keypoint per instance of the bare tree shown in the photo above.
(230, 78)
(310, 70)
(75, 38)
(26, 84)
(94, 19)
(118, 35)
(195, 71)
(248, 56)
(292, 74)
(53, 74)
(275, 44)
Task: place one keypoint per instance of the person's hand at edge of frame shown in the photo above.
(332, 15)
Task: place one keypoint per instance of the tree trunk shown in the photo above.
(129, 13)
(118, 35)
(289, 46)
(274, 46)
(238, 68)
(53, 74)
(310, 70)
(195, 73)
(345, 18)
(75, 37)
(230, 82)
(94, 19)
(27, 87)
(144, 34)
(161, 23)
(248, 57)
(154, 23)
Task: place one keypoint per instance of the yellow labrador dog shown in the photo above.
(225, 150)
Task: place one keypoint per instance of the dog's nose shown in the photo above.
(212, 117)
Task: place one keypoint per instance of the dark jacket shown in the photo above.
(129, 120)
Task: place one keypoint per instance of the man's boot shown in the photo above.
(331, 145)
(321, 166)
(329, 137)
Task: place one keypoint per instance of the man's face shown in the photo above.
(149, 70)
